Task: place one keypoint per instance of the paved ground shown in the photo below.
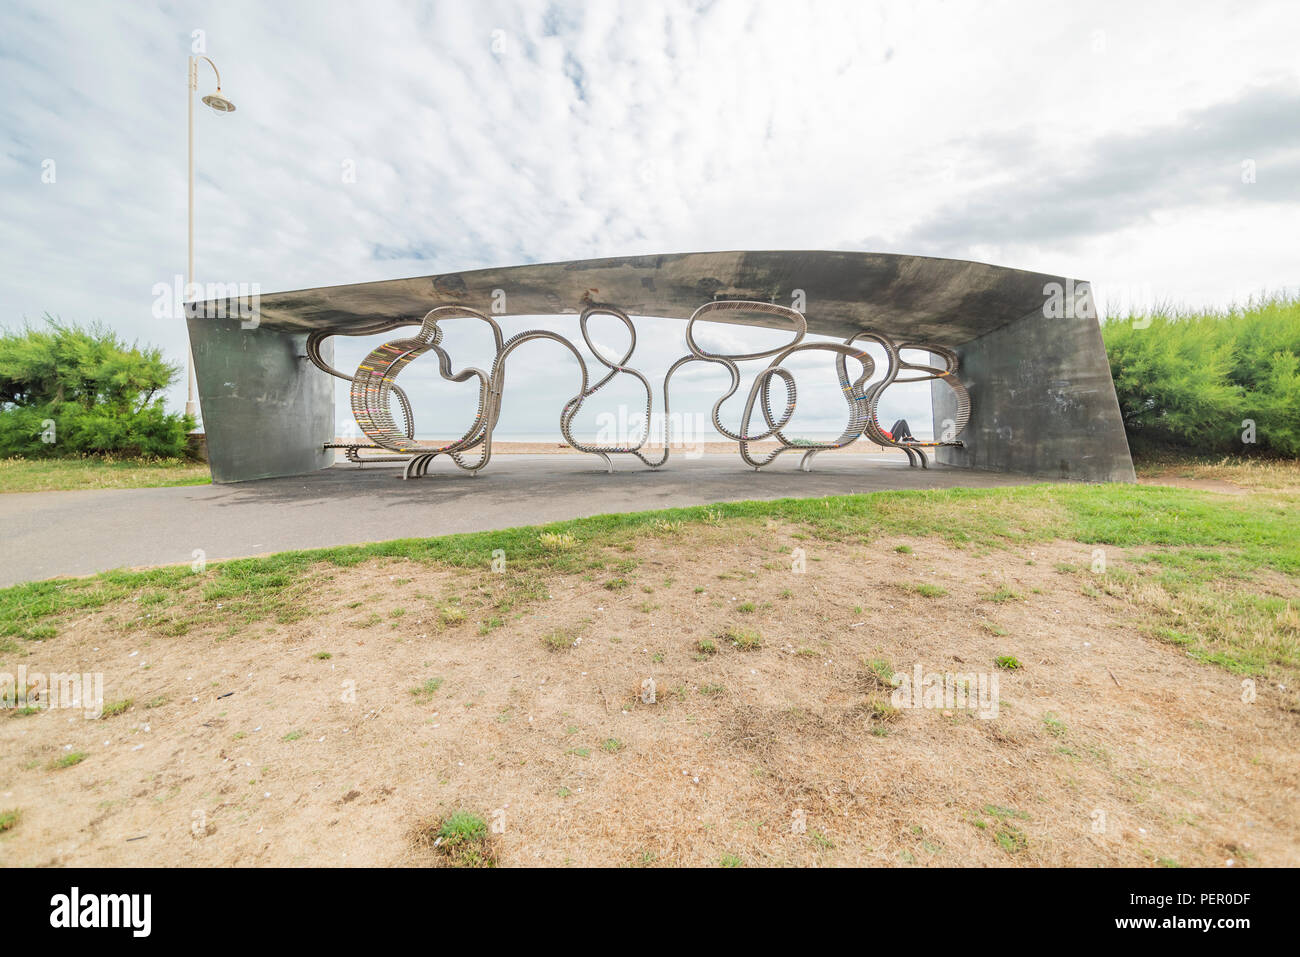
(50, 534)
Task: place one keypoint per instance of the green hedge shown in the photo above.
(1188, 381)
(69, 390)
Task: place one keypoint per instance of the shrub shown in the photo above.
(101, 395)
(1187, 381)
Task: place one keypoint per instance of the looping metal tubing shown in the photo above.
(374, 386)
(352, 450)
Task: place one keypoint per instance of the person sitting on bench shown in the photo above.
(899, 432)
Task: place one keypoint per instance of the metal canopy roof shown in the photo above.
(911, 298)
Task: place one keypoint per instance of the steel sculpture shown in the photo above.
(374, 386)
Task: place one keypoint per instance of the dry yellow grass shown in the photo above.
(1110, 747)
(1231, 472)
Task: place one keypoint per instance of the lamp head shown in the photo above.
(219, 102)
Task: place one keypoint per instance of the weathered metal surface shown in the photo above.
(910, 297)
(1042, 402)
(266, 410)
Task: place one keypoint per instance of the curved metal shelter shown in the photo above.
(1020, 375)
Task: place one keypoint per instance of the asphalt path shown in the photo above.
(53, 534)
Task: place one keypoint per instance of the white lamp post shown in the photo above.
(221, 105)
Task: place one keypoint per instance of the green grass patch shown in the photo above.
(881, 671)
(115, 708)
(558, 641)
(1054, 725)
(427, 690)
(883, 711)
(94, 472)
(743, 639)
(1010, 838)
(821, 841)
(926, 590)
(1006, 834)
(451, 616)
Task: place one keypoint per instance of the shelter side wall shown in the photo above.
(1042, 403)
(267, 411)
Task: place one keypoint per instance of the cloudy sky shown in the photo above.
(1105, 141)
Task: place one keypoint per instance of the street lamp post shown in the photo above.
(221, 105)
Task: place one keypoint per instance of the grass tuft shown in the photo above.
(744, 639)
(116, 708)
(462, 838)
(68, 760)
(558, 641)
(427, 690)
